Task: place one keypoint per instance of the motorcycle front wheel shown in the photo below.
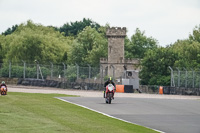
(110, 98)
(106, 100)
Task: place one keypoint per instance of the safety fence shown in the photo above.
(48, 71)
(185, 81)
(187, 78)
(55, 75)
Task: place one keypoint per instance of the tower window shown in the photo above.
(110, 47)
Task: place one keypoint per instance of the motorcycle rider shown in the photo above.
(3, 84)
(109, 81)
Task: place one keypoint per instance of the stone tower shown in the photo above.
(115, 37)
(115, 64)
(116, 44)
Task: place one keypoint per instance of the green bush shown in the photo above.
(4, 72)
(18, 72)
(71, 77)
(45, 72)
(83, 76)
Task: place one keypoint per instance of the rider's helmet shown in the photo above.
(3, 82)
(109, 79)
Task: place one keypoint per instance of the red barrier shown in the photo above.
(120, 88)
(161, 90)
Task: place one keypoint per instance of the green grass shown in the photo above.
(42, 113)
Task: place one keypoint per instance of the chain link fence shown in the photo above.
(73, 76)
(185, 78)
(185, 81)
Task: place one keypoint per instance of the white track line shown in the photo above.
(106, 114)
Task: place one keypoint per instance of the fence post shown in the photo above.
(192, 78)
(51, 70)
(172, 77)
(9, 69)
(89, 72)
(186, 76)
(24, 75)
(178, 76)
(64, 75)
(199, 80)
(77, 71)
(37, 69)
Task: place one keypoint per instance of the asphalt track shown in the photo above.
(167, 115)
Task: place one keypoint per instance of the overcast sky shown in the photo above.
(164, 20)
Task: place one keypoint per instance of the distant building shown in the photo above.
(115, 65)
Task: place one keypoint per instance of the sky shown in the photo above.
(164, 20)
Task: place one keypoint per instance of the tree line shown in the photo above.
(84, 42)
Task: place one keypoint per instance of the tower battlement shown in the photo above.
(132, 61)
(116, 32)
(103, 60)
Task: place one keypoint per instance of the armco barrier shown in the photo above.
(41, 83)
(128, 88)
(166, 90)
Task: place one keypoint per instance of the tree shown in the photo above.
(188, 53)
(10, 30)
(195, 36)
(73, 28)
(32, 42)
(88, 47)
(183, 53)
(65, 57)
(138, 45)
(1, 48)
(155, 65)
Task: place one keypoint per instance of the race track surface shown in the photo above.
(167, 115)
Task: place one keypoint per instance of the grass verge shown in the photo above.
(42, 113)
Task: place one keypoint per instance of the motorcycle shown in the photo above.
(3, 90)
(109, 94)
